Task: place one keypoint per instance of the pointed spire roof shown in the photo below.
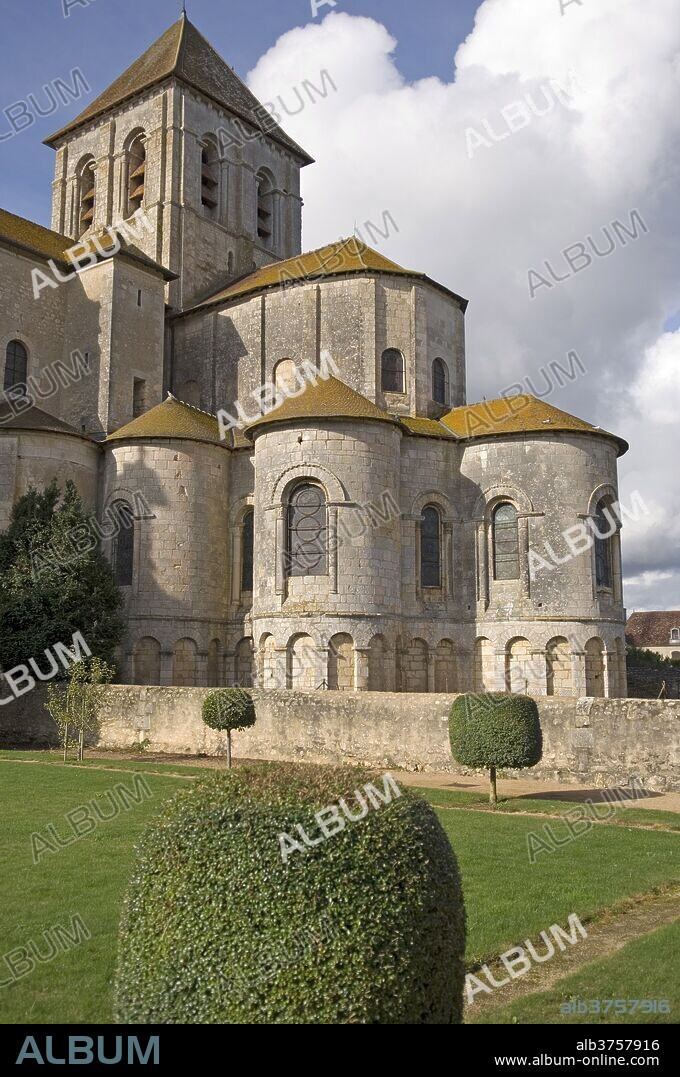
(329, 398)
(172, 419)
(183, 53)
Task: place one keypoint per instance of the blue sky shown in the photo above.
(104, 37)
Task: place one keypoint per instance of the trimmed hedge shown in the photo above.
(228, 708)
(495, 730)
(367, 926)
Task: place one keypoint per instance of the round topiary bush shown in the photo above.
(251, 904)
(228, 709)
(492, 730)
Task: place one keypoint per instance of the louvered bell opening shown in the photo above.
(208, 200)
(263, 233)
(263, 214)
(138, 193)
(88, 215)
(208, 177)
(138, 171)
(89, 197)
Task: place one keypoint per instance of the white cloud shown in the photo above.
(479, 224)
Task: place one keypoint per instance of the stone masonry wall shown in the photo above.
(598, 742)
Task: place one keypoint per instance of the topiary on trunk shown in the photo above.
(228, 709)
(493, 730)
(251, 904)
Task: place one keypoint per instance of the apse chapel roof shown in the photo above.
(345, 256)
(183, 53)
(172, 419)
(35, 419)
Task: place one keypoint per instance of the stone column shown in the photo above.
(578, 672)
(361, 668)
(166, 667)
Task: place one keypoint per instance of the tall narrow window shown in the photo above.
(307, 532)
(430, 548)
(138, 397)
(16, 363)
(392, 373)
(505, 543)
(210, 180)
(440, 382)
(136, 173)
(86, 194)
(123, 553)
(265, 208)
(603, 548)
(247, 543)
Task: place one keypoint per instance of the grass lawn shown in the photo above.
(641, 970)
(507, 898)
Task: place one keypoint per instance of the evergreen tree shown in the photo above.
(55, 580)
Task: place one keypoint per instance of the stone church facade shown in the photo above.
(372, 531)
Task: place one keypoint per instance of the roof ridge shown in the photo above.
(185, 404)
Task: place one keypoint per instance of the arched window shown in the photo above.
(86, 194)
(284, 375)
(136, 172)
(307, 532)
(603, 550)
(440, 382)
(505, 543)
(210, 178)
(123, 552)
(392, 371)
(265, 207)
(247, 542)
(430, 547)
(675, 634)
(16, 363)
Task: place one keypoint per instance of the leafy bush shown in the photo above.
(367, 926)
(492, 730)
(228, 709)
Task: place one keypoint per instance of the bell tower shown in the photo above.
(179, 136)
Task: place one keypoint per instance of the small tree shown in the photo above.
(494, 730)
(228, 709)
(75, 706)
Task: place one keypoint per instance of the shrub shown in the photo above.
(491, 730)
(367, 926)
(228, 709)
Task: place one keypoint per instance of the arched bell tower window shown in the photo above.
(247, 544)
(605, 527)
(392, 371)
(210, 178)
(123, 551)
(136, 172)
(307, 547)
(430, 547)
(505, 542)
(86, 194)
(265, 207)
(16, 364)
(440, 382)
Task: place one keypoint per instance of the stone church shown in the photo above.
(372, 531)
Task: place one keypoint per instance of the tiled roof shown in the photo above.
(346, 256)
(652, 629)
(45, 244)
(429, 428)
(172, 419)
(329, 398)
(183, 53)
(518, 415)
(35, 419)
